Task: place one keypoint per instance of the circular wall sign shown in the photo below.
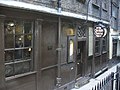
(100, 31)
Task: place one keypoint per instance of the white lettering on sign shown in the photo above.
(99, 31)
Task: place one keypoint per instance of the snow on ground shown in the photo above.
(95, 81)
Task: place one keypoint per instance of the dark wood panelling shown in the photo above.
(64, 45)
(67, 73)
(49, 44)
(23, 83)
(97, 64)
(48, 79)
(89, 64)
(2, 67)
(104, 60)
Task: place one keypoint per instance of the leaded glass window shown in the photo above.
(18, 41)
(81, 32)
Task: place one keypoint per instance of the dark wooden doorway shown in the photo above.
(48, 55)
(81, 49)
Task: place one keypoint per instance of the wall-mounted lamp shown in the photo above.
(70, 32)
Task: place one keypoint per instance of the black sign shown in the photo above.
(100, 31)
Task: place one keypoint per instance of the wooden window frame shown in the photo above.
(97, 46)
(24, 59)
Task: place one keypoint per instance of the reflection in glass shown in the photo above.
(19, 28)
(28, 39)
(71, 50)
(19, 41)
(9, 41)
(18, 68)
(18, 47)
(9, 27)
(27, 27)
(8, 70)
(18, 54)
(27, 53)
(8, 56)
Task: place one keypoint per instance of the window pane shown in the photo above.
(9, 27)
(19, 41)
(22, 67)
(19, 28)
(27, 53)
(8, 56)
(97, 43)
(9, 41)
(70, 51)
(18, 47)
(28, 39)
(9, 70)
(18, 68)
(18, 54)
(28, 27)
(97, 50)
(26, 66)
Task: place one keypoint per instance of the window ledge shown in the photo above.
(104, 9)
(20, 75)
(104, 52)
(96, 5)
(97, 54)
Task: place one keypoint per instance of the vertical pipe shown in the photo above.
(59, 53)
(101, 9)
(59, 44)
(59, 6)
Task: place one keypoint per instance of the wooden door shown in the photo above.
(80, 58)
(48, 55)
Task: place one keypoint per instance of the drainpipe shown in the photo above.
(87, 11)
(59, 6)
(58, 78)
(101, 9)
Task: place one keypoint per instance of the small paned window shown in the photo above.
(114, 47)
(81, 32)
(18, 41)
(96, 3)
(81, 1)
(104, 4)
(114, 11)
(104, 46)
(97, 46)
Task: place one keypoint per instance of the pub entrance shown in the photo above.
(81, 58)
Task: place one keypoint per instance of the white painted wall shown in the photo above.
(90, 51)
(110, 44)
(118, 48)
